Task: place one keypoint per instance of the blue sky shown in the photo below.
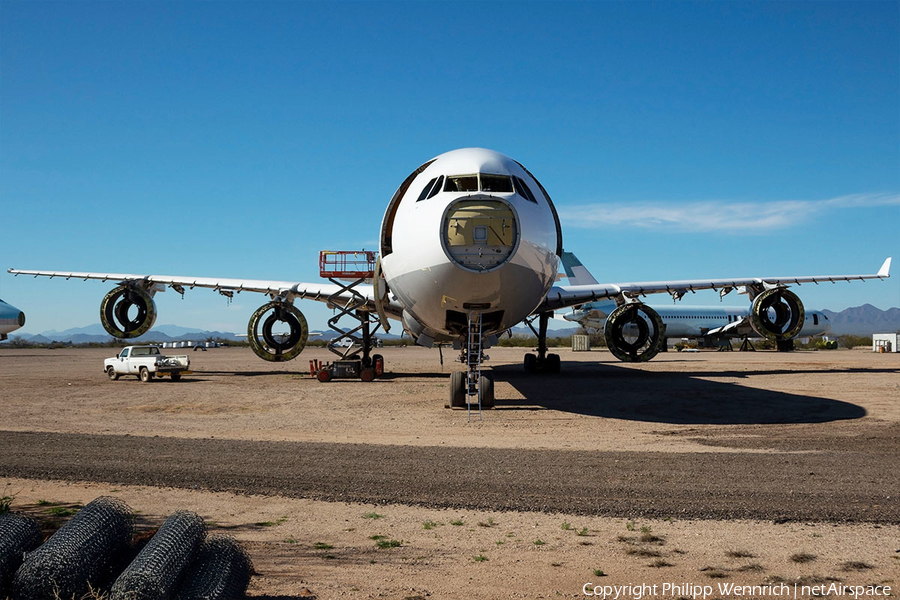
(678, 140)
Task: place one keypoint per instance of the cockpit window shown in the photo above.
(437, 187)
(524, 191)
(425, 190)
(496, 183)
(461, 183)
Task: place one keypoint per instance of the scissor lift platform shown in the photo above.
(348, 269)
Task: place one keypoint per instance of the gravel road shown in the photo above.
(837, 486)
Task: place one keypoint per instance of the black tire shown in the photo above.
(530, 363)
(176, 376)
(457, 389)
(552, 364)
(111, 373)
(145, 375)
(367, 374)
(487, 390)
(323, 375)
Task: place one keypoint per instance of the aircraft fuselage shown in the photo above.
(471, 231)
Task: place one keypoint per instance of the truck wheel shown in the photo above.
(378, 364)
(111, 373)
(176, 376)
(145, 374)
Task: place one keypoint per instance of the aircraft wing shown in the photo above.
(730, 327)
(311, 291)
(561, 296)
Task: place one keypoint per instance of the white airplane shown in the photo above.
(11, 318)
(470, 246)
(711, 322)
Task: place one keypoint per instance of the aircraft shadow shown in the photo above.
(681, 398)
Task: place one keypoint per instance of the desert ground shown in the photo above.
(700, 469)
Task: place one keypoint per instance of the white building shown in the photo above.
(889, 341)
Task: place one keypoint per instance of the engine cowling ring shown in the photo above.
(114, 312)
(265, 344)
(788, 311)
(649, 335)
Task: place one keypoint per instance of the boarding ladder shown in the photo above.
(473, 363)
(347, 270)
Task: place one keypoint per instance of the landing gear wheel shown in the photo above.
(145, 375)
(457, 389)
(367, 374)
(323, 375)
(530, 363)
(378, 364)
(111, 373)
(486, 383)
(552, 363)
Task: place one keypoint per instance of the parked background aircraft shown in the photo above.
(11, 318)
(470, 246)
(709, 322)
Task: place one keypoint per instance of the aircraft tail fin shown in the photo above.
(884, 271)
(575, 271)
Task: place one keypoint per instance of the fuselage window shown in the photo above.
(426, 189)
(524, 191)
(461, 183)
(496, 183)
(437, 187)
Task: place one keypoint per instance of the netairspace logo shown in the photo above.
(782, 590)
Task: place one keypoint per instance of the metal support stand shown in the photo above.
(746, 345)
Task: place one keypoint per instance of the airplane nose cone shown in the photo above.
(480, 234)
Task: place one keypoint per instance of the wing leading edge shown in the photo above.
(562, 296)
(311, 291)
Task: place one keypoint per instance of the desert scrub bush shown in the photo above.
(803, 557)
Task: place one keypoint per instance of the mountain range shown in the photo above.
(858, 320)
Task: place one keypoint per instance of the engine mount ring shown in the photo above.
(651, 341)
(268, 348)
(114, 312)
(779, 300)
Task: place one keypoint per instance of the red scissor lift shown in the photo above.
(348, 269)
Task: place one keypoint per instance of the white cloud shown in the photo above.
(707, 215)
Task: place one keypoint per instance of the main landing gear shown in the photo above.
(542, 362)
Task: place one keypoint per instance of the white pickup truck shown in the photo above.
(146, 362)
